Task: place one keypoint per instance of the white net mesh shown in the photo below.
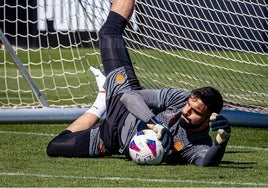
(182, 43)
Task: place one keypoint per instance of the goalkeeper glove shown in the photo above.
(221, 124)
(163, 133)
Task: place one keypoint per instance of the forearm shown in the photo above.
(213, 156)
(140, 102)
(91, 116)
(136, 105)
(85, 121)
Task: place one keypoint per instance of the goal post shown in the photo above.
(23, 71)
(186, 44)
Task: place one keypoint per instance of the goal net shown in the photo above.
(182, 43)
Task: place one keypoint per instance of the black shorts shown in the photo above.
(118, 81)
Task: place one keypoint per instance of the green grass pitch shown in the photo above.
(24, 163)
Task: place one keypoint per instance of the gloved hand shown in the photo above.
(221, 124)
(163, 134)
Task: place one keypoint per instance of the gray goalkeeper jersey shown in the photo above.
(166, 104)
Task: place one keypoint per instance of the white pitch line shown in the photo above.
(53, 135)
(27, 133)
(134, 179)
(247, 147)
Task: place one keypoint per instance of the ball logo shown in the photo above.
(133, 146)
(152, 146)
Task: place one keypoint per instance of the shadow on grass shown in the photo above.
(238, 152)
(224, 164)
(237, 165)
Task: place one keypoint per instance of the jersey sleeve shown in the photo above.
(136, 104)
(144, 104)
(211, 156)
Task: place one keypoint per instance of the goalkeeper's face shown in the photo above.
(195, 115)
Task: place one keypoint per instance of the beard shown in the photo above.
(188, 124)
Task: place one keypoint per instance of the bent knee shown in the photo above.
(55, 149)
(51, 151)
(61, 145)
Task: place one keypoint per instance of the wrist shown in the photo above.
(222, 136)
(154, 120)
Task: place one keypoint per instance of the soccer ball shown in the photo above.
(145, 148)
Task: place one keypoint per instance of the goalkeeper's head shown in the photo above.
(211, 97)
(196, 113)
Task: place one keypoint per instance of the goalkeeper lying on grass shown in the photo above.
(181, 119)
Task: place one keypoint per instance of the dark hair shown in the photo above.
(211, 97)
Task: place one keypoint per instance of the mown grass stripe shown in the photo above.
(134, 179)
